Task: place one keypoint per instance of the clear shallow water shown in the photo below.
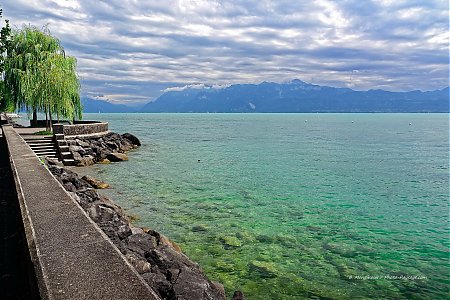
(295, 206)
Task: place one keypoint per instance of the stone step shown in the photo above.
(34, 137)
(43, 153)
(66, 155)
(43, 148)
(52, 155)
(63, 148)
(68, 162)
(38, 142)
(62, 143)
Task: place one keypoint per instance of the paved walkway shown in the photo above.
(28, 130)
(13, 248)
(74, 259)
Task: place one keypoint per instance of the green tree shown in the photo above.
(39, 77)
(5, 33)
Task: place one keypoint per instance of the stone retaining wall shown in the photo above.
(82, 128)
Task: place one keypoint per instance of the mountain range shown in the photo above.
(102, 106)
(295, 96)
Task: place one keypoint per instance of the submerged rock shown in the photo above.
(230, 242)
(238, 295)
(97, 184)
(263, 268)
(104, 161)
(265, 239)
(199, 228)
(115, 157)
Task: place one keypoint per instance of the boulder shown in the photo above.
(192, 284)
(82, 143)
(160, 284)
(97, 184)
(133, 139)
(263, 268)
(141, 266)
(87, 161)
(83, 161)
(238, 295)
(163, 240)
(102, 213)
(87, 197)
(112, 145)
(230, 242)
(78, 149)
(53, 162)
(199, 228)
(142, 241)
(115, 157)
(165, 258)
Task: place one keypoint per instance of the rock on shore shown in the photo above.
(159, 261)
(108, 148)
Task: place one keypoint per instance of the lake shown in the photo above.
(295, 206)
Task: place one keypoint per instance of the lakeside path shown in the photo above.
(14, 282)
(73, 259)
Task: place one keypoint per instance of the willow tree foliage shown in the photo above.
(5, 33)
(39, 77)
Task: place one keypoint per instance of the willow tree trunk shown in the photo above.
(34, 121)
(46, 121)
(51, 120)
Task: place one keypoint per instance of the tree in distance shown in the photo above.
(39, 77)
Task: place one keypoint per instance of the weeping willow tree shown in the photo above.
(5, 34)
(39, 77)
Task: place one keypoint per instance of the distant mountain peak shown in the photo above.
(298, 82)
(103, 106)
(294, 96)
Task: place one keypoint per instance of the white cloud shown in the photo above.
(153, 46)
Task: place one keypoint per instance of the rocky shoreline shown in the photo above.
(156, 258)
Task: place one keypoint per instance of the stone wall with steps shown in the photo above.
(42, 146)
(81, 129)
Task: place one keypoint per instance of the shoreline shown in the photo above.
(158, 260)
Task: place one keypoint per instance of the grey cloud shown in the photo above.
(141, 48)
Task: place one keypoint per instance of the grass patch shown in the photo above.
(43, 132)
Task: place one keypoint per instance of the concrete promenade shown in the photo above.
(72, 257)
(16, 269)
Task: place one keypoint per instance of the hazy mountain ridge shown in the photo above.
(297, 96)
(102, 106)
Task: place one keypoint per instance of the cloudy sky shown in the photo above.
(129, 51)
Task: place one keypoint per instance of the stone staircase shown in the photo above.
(63, 150)
(43, 146)
(50, 146)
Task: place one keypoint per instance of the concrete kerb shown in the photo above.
(43, 271)
(27, 223)
(91, 135)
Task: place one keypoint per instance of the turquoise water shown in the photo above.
(295, 206)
